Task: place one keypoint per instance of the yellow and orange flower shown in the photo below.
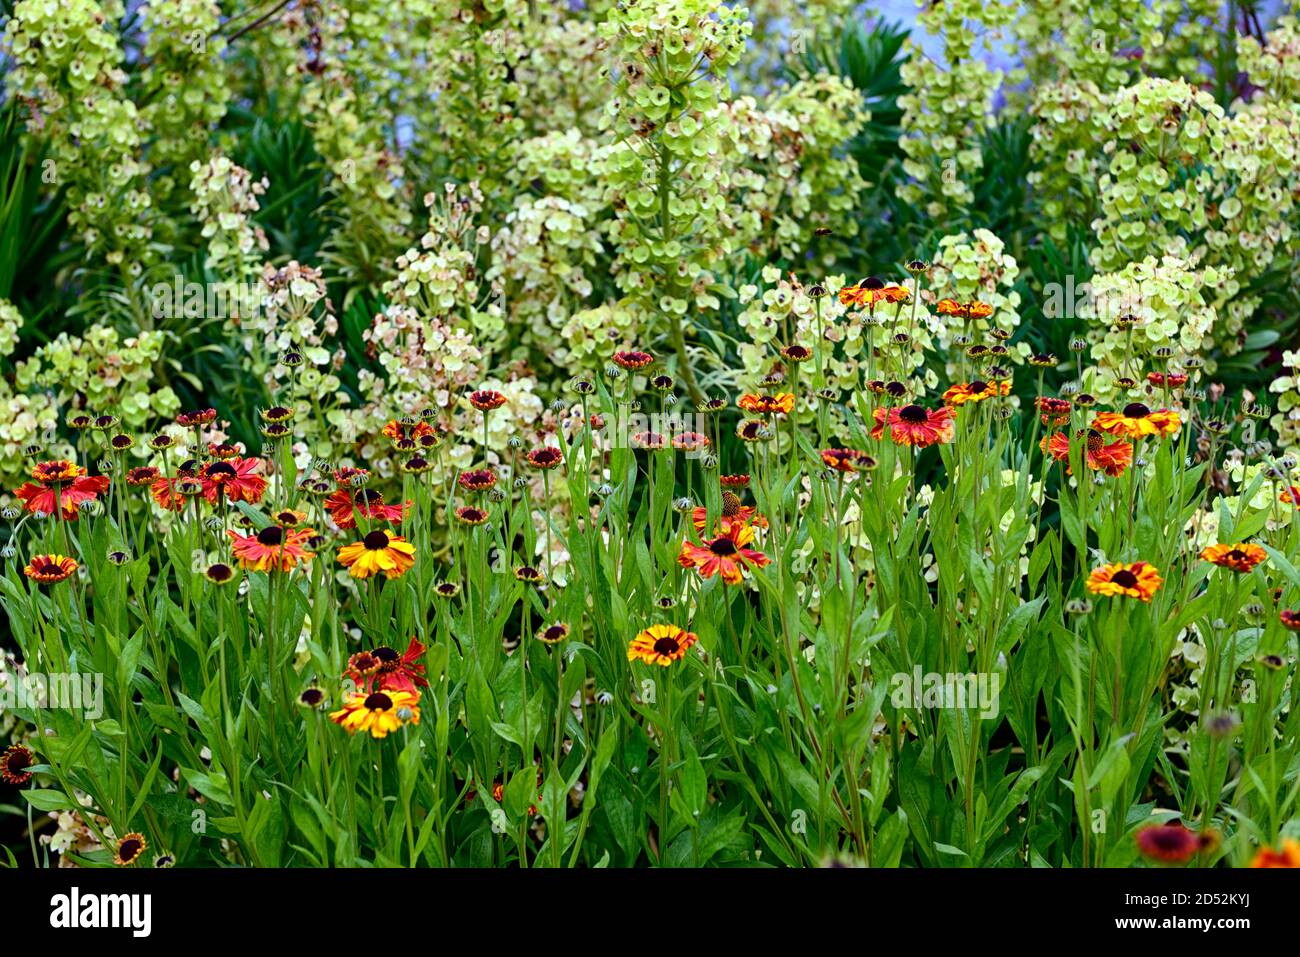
(1288, 855)
(142, 475)
(1239, 558)
(871, 291)
(727, 555)
(1102, 456)
(63, 482)
(632, 359)
(914, 425)
(782, 403)
(966, 310)
(344, 506)
(165, 492)
(661, 645)
(378, 712)
(397, 430)
(274, 547)
(1136, 421)
(977, 391)
(847, 460)
(57, 472)
(50, 569)
(236, 479)
(1137, 580)
(485, 400)
(378, 552)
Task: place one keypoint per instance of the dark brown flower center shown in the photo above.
(1136, 410)
(912, 413)
(220, 471)
(979, 385)
(666, 646)
(18, 761)
(1169, 838)
(378, 702)
(128, 849)
(1124, 578)
(271, 535)
(730, 504)
(376, 541)
(385, 654)
(723, 546)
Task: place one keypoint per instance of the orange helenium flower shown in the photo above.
(400, 430)
(967, 310)
(394, 672)
(235, 478)
(977, 391)
(728, 555)
(846, 460)
(142, 475)
(1286, 856)
(1240, 558)
(63, 481)
(782, 403)
(871, 291)
(485, 400)
(661, 645)
(378, 712)
(914, 425)
(1138, 580)
(378, 552)
(344, 507)
(632, 359)
(1137, 420)
(50, 569)
(1112, 458)
(272, 548)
